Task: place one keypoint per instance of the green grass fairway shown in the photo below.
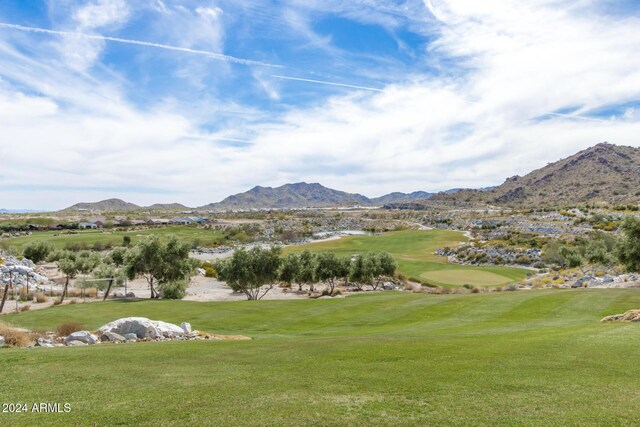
(517, 358)
(414, 252)
(89, 237)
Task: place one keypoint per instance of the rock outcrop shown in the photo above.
(143, 328)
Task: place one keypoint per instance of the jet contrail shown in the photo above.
(326, 83)
(213, 55)
(570, 116)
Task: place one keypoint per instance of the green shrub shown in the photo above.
(173, 290)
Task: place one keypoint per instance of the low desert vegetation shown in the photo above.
(14, 336)
(67, 328)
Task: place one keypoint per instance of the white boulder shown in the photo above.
(186, 327)
(143, 328)
(1, 340)
(82, 336)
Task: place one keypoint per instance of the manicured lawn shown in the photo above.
(60, 239)
(413, 250)
(517, 358)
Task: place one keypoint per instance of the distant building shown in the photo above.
(87, 225)
(158, 221)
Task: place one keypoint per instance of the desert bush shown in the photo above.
(173, 290)
(475, 290)
(511, 287)
(74, 293)
(67, 328)
(73, 301)
(15, 337)
(37, 251)
(209, 270)
(91, 292)
(41, 297)
(25, 308)
(57, 301)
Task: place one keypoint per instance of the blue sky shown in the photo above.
(190, 101)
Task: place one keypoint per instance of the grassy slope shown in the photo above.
(414, 252)
(60, 240)
(533, 358)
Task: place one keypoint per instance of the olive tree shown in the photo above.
(289, 269)
(329, 269)
(253, 272)
(306, 270)
(160, 262)
(371, 269)
(385, 268)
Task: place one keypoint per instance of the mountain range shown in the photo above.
(304, 195)
(603, 173)
(117, 205)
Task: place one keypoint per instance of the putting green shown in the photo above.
(461, 277)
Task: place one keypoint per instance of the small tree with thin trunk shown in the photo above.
(159, 262)
(68, 265)
(362, 271)
(252, 272)
(289, 269)
(385, 268)
(329, 269)
(112, 268)
(306, 270)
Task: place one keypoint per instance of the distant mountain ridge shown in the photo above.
(117, 205)
(19, 211)
(603, 173)
(305, 195)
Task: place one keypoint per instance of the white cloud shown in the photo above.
(101, 13)
(81, 53)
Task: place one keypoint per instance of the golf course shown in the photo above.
(88, 238)
(413, 250)
(393, 358)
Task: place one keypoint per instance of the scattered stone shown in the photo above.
(85, 337)
(628, 316)
(581, 281)
(112, 337)
(389, 286)
(43, 342)
(143, 328)
(186, 327)
(131, 295)
(607, 279)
